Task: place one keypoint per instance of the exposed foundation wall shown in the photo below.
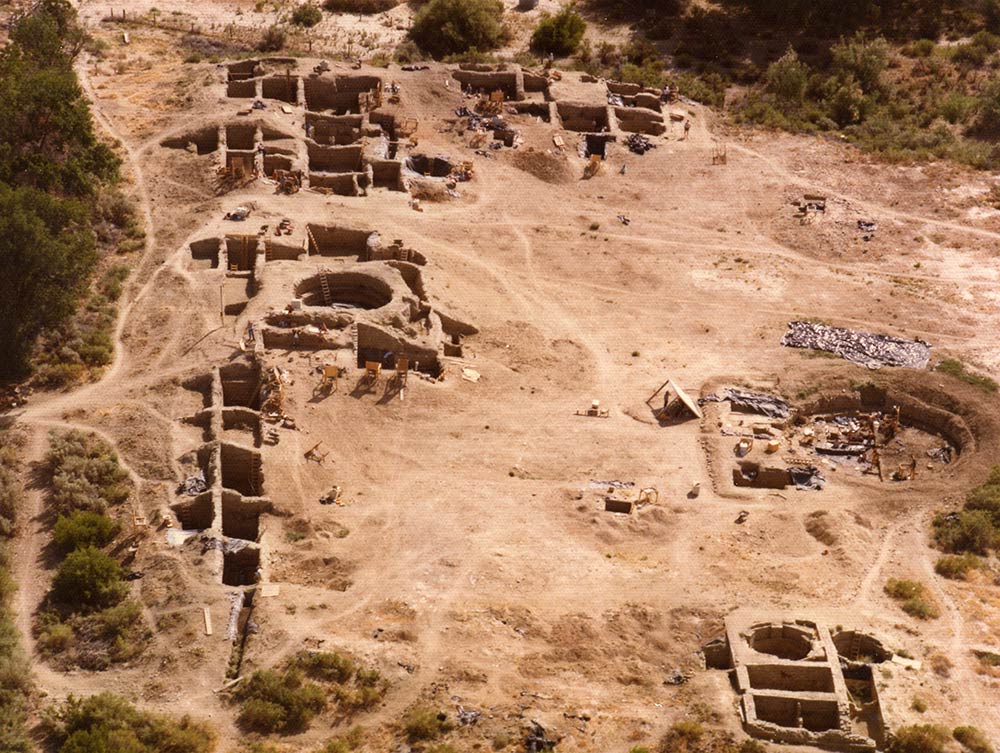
(636, 120)
(511, 83)
(241, 470)
(333, 240)
(282, 88)
(205, 140)
(242, 89)
(274, 162)
(388, 174)
(373, 343)
(241, 136)
(240, 386)
(583, 118)
(196, 513)
(761, 477)
(276, 251)
(334, 131)
(334, 159)
(343, 95)
(342, 184)
(206, 253)
(241, 568)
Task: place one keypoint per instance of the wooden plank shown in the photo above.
(208, 620)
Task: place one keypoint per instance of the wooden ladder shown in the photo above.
(312, 241)
(354, 341)
(324, 286)
(855, 650)
(404, 254)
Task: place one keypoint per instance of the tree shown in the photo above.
(451, 27)
(559, 34)
(47, 254)
(88, 579)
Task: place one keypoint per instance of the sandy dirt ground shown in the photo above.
(472, 561)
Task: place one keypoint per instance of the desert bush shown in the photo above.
(279, 701)
(307, 15)
(921, 48)
(788, 77)
(956, 566)
(862, 58)
(559, 34)
(965, 531)
(682, 737)
(422, 724)
(325, 665)
(918, 738)
(452, 27)
(85, 473)
(106, 723)
(973, 739)
(273, 40)
(83, 528)
(88, 580)
(913, 597)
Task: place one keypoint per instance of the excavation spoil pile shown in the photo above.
(864, 348)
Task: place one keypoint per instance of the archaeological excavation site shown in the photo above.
(507, 401)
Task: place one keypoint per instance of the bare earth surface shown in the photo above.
(472, 560)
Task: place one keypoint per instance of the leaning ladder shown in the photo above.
(855, 650)
(324, 286)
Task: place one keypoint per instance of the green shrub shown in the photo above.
(307, 15)
(274, 701)
(88, 580)
(861, 58)
(85, 473)
(353, 740)
(921, 48)
(452, 27)
(972, 739)
(425, 724)
(559, 34)
(788, 77)
(682, 737)
(273, 40)
(83, 528)
(965, 531)
(918, 738)
(361, 7)
(649, 73)
(956, 566)
(56, 638)
(913, 597)
(325, 665)
(106, 723)
(969, 55)
(988, 118)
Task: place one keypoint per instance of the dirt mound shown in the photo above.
(545, 166)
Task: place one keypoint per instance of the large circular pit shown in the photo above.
(346, 290)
